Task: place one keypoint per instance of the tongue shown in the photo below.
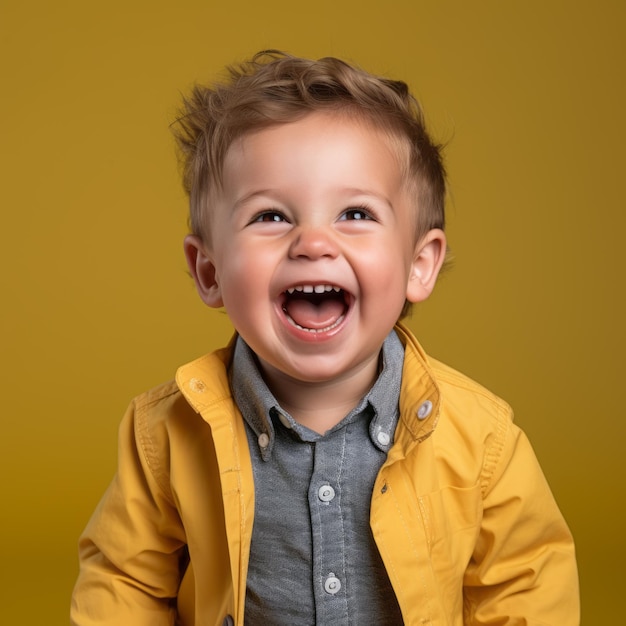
(314, 315)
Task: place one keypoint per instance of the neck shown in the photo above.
(319, 406)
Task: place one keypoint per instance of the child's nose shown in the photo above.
(313, 243)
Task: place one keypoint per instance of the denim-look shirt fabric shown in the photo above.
(311, 539)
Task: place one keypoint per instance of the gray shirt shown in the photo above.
(313, 559)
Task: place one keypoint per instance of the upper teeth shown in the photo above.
(314, 288)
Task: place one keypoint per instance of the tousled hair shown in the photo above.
(276, 88)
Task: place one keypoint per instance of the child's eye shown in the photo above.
(269, 216)
(358, 213)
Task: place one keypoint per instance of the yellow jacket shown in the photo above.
(461, 513)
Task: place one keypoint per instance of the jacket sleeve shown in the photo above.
(523, 570)
(132, 549)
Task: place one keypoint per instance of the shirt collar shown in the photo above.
(257, 403)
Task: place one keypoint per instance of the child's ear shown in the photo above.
(430, 253)
(202, 270)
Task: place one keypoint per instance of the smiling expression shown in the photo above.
(311, 248)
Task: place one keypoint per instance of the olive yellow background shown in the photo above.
(530, 99)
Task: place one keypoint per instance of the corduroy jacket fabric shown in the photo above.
(461, 513)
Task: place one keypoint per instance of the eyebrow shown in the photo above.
(239, 202)
(368, 192)
(349, 191)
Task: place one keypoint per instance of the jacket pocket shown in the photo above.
(451, 523)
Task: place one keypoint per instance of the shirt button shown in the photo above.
(284, 421)
(425, 409)
(263, 440)
(332, 584)
(326, 493)
(383, 439)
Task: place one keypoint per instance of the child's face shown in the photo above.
(317, 205)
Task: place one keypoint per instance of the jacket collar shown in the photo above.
(420, 397)
(204, 381)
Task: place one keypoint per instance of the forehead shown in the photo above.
(311, 142)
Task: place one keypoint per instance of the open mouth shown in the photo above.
(315, 308)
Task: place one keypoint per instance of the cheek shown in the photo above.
(386, 269)
(244, 280)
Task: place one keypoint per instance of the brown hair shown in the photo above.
(276, 88)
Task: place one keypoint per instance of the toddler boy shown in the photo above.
(321, 469)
